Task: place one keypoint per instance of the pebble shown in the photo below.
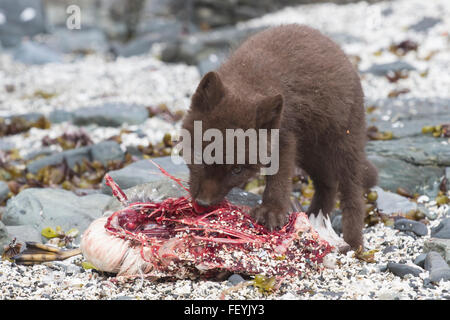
(390, 202)
(442, 230)
(425, 24)
(416, 227)
(389, 249)
(234, 279)
(337, 223)
(402, 270)
(423, 199)
(420, 260)
(329, 261)
(438, 268)
(431, 215)
(442, 246)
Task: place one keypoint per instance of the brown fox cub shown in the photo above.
(294, 79)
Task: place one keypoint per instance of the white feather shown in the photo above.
(322, 225)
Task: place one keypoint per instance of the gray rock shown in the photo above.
(4, 237)
(389, 295)
(425, 24)
(447, 175)
(104, 151)
(402, 270)
(30, 52)
(167, 26)
(405, 117)
(193, 48)
(407, 127)
(420, 260)
(6, 145)
(389, 249)
(382, 268)
(235, 279)
(144, 171)
(138, 46)
(22, 18)
(107, 151)
(390, 202)
(30, 116)
(441, 246)
(4, 190)
(71, 156)
(24, 233)
(42, 208)
(384, 68)
(84, 40)
(46, 151)
(394, 173)
(343, 38)
(187, 52)
(442, 230)
(163, 188)
(433, 261)
(428, 284)
(153, 191)
(421, 150)
(111, 114)
(243, 198)
(427, 212)
(405, 109)
(215, 13)
(155, 30)
(416, 227)
(438, 268)
(58, 116)
(337, 223)
(387, 12)
(123, 298)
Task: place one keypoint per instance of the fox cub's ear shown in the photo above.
(209, 93)
(268, 112)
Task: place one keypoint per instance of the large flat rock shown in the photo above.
(111, 114)
(42, 208)
(394, 173)
(104, 151)
(144, 171)
(421, 150)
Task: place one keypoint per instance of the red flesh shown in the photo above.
(178, 230)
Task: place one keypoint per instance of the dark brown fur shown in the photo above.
(293, 78)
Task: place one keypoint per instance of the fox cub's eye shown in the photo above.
(236, 170)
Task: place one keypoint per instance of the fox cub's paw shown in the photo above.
(270, 217)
